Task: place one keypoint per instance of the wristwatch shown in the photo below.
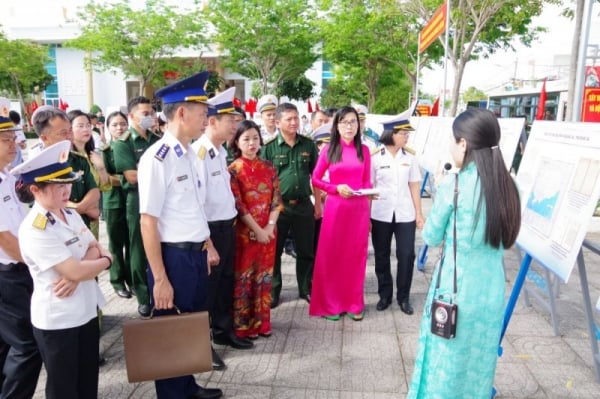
(272, 222)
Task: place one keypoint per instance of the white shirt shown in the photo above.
(266, 136)
(11, 210)
(391, 175)
(46, 241)
(171, 190)
(220, 202)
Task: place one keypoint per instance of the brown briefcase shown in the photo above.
(167, 346)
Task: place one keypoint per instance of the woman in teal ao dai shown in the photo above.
(487, 222)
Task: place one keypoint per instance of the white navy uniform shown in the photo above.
(391, 175)
(11, 209)
(220, 202)
(266, 136)
(171, 190)
(46, 241)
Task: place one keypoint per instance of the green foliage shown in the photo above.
(22, 68)
(270, 40)
(300, 88)
(393, 92)
(141, 42)
(481, 27)
(365, 40)
(473, 94)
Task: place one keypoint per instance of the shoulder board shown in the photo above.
(40, 222)
(410, 150)
(374, 151)
(125, 136)
(202, 152)
(162, 152)
(105, 147)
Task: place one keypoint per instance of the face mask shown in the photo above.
(146, 122)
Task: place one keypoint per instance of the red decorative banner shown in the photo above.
(434, 28)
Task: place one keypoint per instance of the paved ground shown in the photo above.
(315, 358)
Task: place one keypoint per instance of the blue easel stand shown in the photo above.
(424, 183)
(512, 302)
(422, 258)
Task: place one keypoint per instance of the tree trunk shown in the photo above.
(573, 61)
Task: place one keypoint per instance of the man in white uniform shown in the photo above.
(266, 106)
(173, 223)
(221, 214)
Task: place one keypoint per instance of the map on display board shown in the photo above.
(559, 183)
(433, 135)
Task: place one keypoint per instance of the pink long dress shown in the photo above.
(341, 261)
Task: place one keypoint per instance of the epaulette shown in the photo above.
(162, 152)
(40, 221)
(202, 152)
(125, 136)
(374, 151)
(105, 147)
(410, 150)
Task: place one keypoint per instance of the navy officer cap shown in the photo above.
(399, 122)
(49, 166)
(222, 103)
(186, 90)
(322, 133)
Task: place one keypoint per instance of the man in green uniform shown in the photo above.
(53, 125)
(128, 150)
(294, 157)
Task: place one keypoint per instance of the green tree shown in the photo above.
(22, 68)
(268, 40)
(140, 42)
(473, 94)
(365, 38)
(481, 27)
(300, 88)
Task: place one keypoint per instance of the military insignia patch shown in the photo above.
(211, 152)
(178, 150)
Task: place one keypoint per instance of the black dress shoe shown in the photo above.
(306, 297)
(217, 364)
(123, 293)
(207, 393)
(233, 341)
(406, 307)
(274, 303)
(144, 310)
(383, 304)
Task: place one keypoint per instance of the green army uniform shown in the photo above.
(128, 150)
(294, 167)
(115, 216)
(81, 187)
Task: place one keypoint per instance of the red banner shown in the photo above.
(434, 28)
(590, 111)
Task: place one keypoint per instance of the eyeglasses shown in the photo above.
(86, 126)
(348, 123)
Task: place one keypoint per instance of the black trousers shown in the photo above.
(299, 219)
(20, 360)
(71, 359)
(381, 235)
(220, 281)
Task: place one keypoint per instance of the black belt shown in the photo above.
(296, 201)
(187, 245)
(13, 267)
(222, 223)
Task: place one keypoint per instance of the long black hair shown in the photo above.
(334, 154)
(244, 125)
(480, 129)
(89, 145)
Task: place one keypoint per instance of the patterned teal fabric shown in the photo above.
(462, 367)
